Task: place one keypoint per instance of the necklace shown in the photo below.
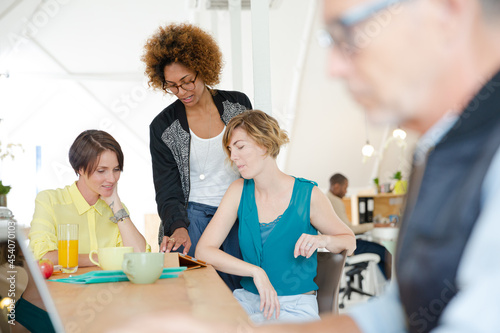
(202, 171)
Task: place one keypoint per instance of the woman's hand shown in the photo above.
(113, 199)
(307, 244)
(269, 302)
(178, 238)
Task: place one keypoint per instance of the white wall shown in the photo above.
(43, 105)
(47, 103)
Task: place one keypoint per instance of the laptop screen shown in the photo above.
(18, 269)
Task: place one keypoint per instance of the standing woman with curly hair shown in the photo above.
(189, 172)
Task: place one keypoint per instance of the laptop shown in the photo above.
(12, 237)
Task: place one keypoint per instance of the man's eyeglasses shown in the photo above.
(174, 89)
(340, 32)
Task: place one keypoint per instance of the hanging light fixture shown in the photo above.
(367, 149)
(398, 133)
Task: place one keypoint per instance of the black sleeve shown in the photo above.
(166, 177)
(246, 102)
(239, 97)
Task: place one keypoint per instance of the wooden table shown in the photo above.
(101, 307)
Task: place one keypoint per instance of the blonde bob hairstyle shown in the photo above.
(261, 127)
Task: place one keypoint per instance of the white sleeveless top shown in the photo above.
(207, 158)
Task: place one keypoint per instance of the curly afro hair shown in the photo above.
(187, 45)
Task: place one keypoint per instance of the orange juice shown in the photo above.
(68, 253)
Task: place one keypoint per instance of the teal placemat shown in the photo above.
(114, 276)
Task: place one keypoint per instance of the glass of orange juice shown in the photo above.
(67, 244)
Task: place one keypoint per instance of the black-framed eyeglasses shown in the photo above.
(341, 31)
(174, 89)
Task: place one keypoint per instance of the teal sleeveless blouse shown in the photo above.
(288, 275)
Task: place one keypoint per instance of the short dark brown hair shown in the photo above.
(261, 127)
(338, 179)
(87, 148)
(187, 45)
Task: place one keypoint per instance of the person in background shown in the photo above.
(189, 172)
(93, 203)
(338, 189)
(280, 217)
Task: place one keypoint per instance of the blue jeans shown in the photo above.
(199, 216)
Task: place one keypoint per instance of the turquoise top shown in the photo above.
(288, 275)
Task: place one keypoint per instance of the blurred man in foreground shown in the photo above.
(432, 66)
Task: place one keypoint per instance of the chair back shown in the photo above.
(330, 267)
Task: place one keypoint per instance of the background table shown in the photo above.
(101, 307)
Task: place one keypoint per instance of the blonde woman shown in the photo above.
(279, 219)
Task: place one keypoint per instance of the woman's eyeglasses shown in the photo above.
(174, 89)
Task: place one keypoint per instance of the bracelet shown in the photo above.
(119, 216)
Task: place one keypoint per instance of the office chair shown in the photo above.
(329, 273)
(354, 268)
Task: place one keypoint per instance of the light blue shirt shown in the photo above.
(476, 307)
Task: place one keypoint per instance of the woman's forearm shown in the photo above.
(339, 243)
(130, 235)
(224, 262)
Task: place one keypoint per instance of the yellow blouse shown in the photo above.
(67, 205)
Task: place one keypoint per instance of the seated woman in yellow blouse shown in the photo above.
(92, 202)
